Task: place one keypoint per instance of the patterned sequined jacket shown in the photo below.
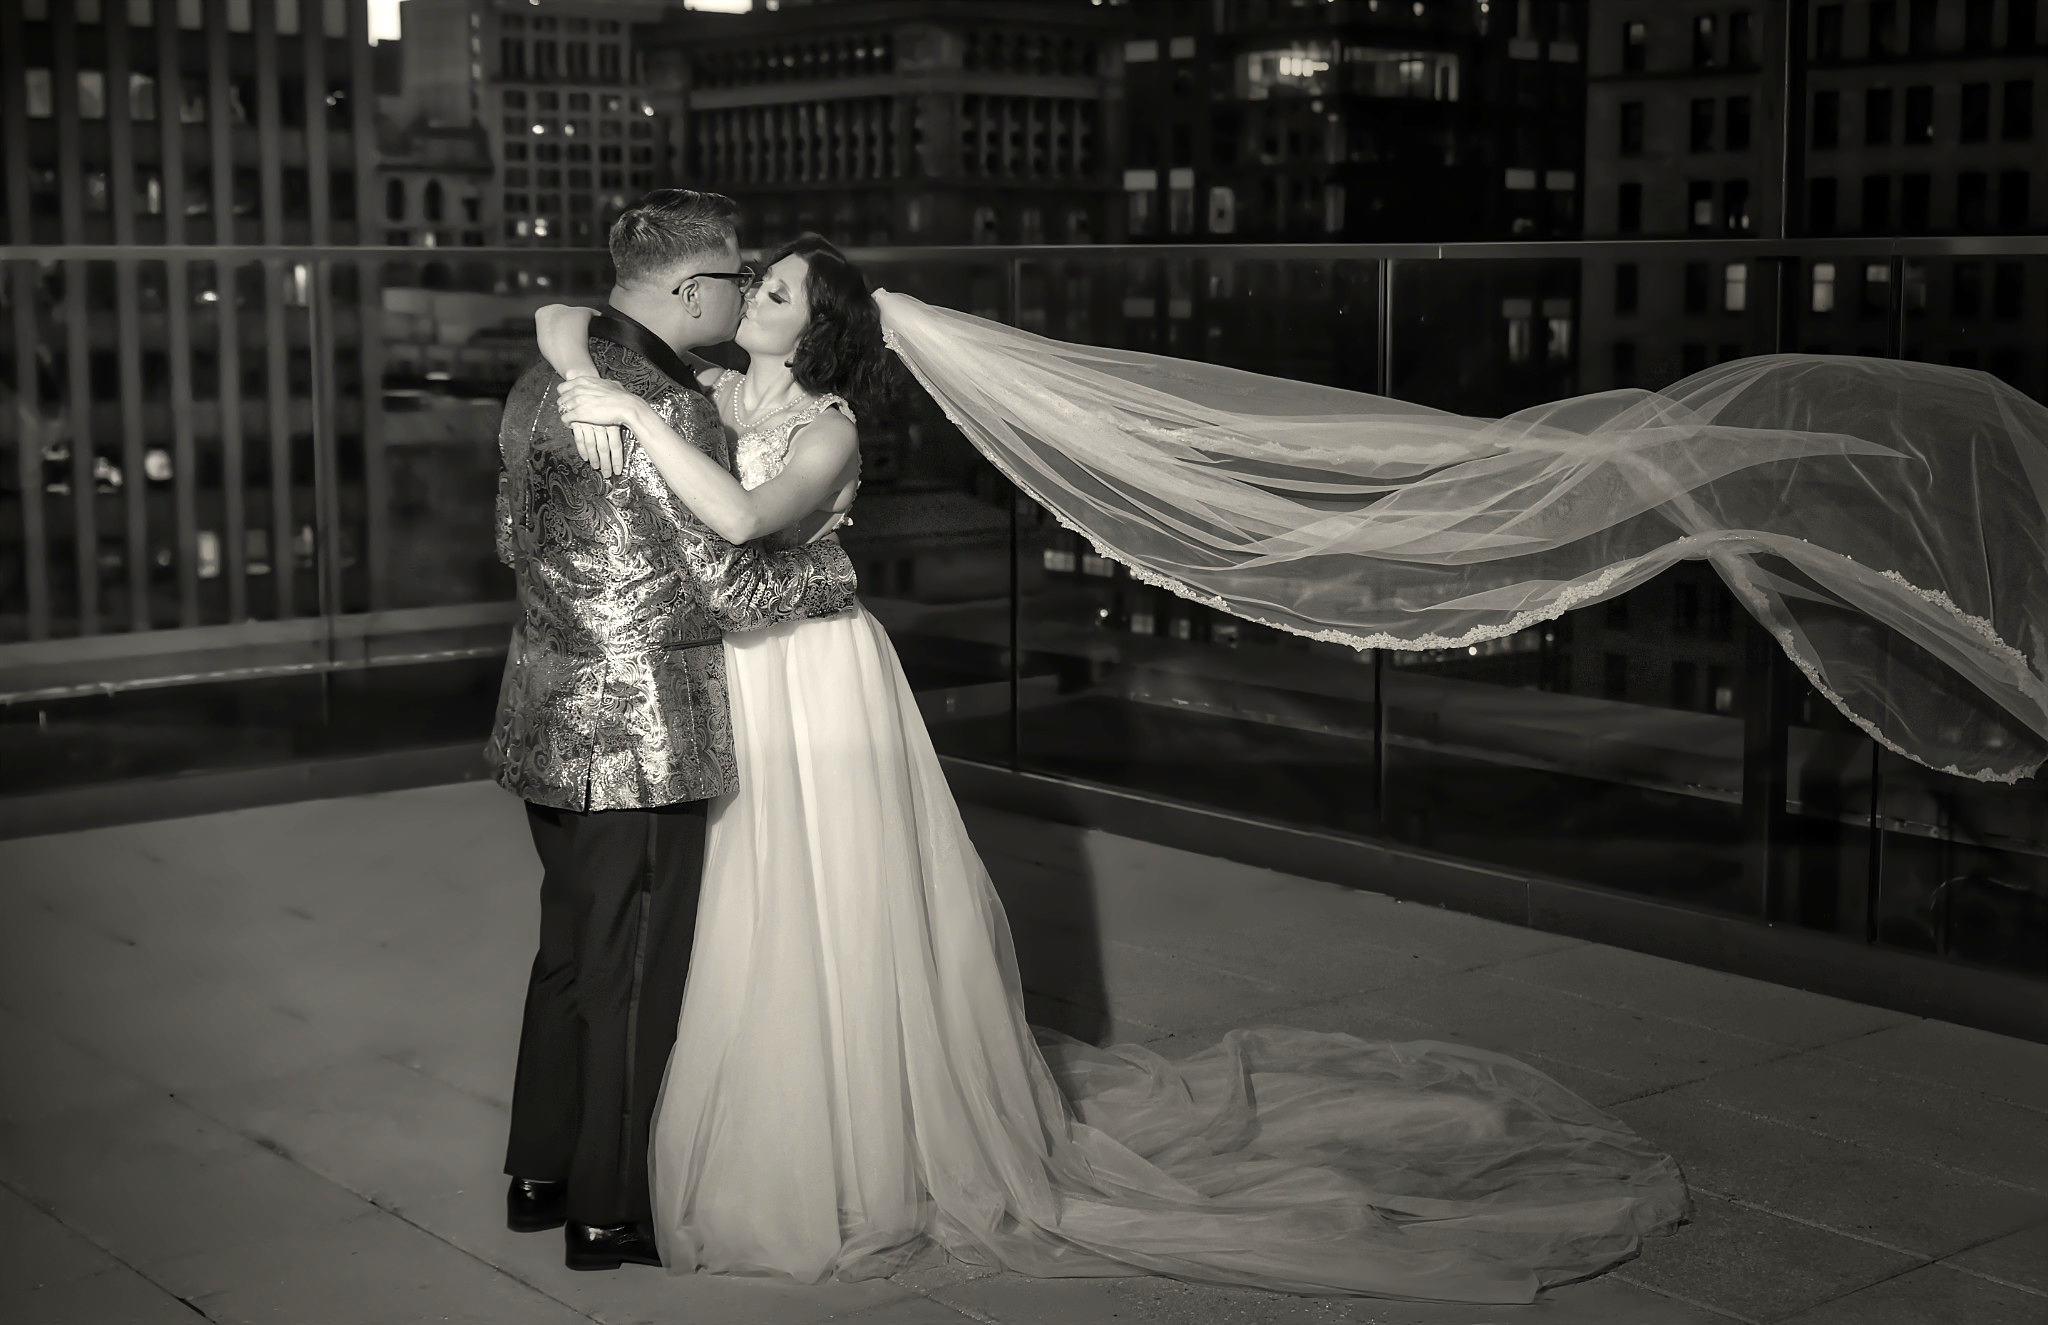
(614, 692)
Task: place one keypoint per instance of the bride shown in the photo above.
(854, 1084)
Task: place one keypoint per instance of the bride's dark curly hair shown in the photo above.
(841, 347)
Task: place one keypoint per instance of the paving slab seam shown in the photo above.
(1946, 1264)
(1563, 943)
(428, 1074)
(1922, 1257)
(1665, 1016)
(1954, 1169)
(1861, 1288)
(1704, 1076)
(488, 1264)
(284, 1153)
(1625, 1277)
(1130, 945)
(2029, 1106)
(1538, 1059)
(1277, 1016)
(46, 1211)
(1649, 1093)
(938, 1296)
(1160, 1032)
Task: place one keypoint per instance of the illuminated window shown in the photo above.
(1420, 75)
(1301, 70)
(1735, 287)
(1520, 315)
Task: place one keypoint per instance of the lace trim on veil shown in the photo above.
(1568, 599)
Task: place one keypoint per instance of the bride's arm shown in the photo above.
(818, 459)
(564, 334)
(563, 331)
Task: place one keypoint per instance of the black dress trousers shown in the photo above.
(618, 910)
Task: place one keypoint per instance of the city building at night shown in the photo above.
(1911, 118)
(1354, 121)
(907, 121)
(185, 410)
(435, 186)
(576, 126)
(1908, 118)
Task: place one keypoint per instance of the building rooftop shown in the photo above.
(259, 1063)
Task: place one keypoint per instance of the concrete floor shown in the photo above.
(256, 1064)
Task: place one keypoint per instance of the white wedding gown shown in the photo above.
(854, 1086)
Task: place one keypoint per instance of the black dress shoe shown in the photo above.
(607, 1248)
(535, 1205)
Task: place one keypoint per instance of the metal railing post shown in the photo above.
(1873, 884)
(1766, 676)
(1383, 385)
(1016, 651)
(1792, 218)
(326, 501)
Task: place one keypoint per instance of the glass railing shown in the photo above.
(245, 504)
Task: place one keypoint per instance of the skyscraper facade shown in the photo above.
(907, 121)
(1354, 120)
(1907, 119)
(162, 436)
(576, 127)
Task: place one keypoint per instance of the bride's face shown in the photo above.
(778, 309)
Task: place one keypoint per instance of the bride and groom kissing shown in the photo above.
(775, 1024)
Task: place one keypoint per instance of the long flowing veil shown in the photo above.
(1886, 521)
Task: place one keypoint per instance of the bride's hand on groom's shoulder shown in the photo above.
(602, 446)
(595, 408)
(597, 400)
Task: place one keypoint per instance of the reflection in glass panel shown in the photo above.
(455, 334)
(1586, 746)
(930, 532)
(1125, 683)
(1964, 868)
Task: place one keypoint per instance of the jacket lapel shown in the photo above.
(623, 331)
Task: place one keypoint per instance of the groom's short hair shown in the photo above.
(667, 227)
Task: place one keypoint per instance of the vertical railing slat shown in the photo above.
(184, 453)
(120, 128)
(84, 489)
(21, 276)
(134, 481)
(121, 202)
(220, 124)
(28, 466)
(77, 343)
(326, 474)
(170, 118)
(313, 43)
(14, 119)
(277, 363)
(368, 345)
(221, 205)
(234, 482)
(269, 125)
(1383, 385)
(1016, 659)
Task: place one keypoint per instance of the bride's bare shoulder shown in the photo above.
(832, 428)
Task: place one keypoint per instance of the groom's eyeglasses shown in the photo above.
(746, 278)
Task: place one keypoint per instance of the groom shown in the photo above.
(612, 724)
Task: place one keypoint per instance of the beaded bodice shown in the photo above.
(761, 445)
